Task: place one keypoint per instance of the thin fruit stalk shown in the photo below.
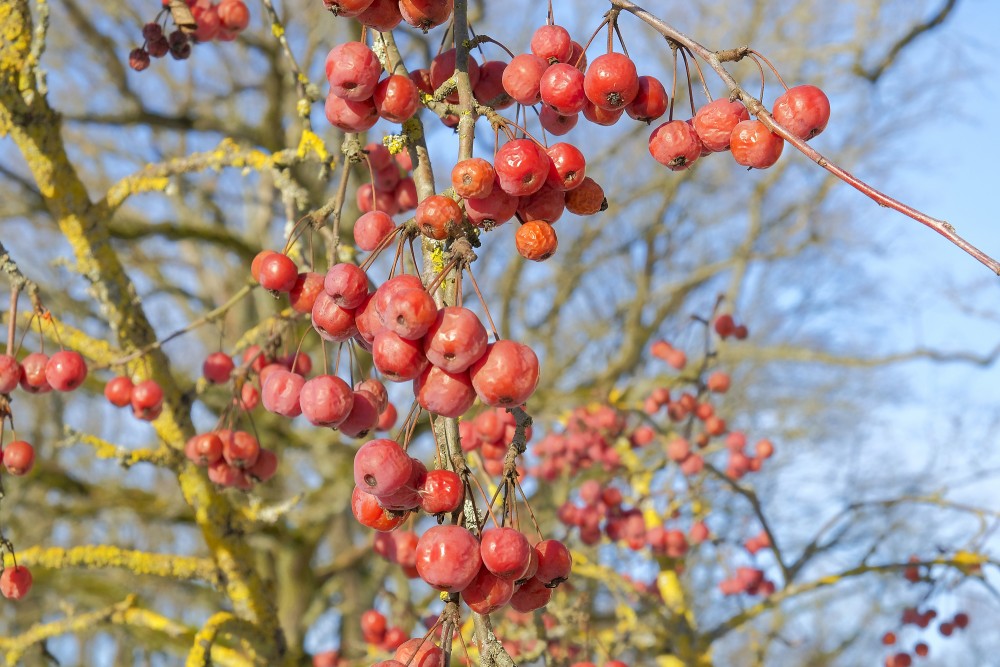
(446, 429)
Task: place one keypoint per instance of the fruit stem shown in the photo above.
(771, 66)
(194, 324)
(762, 75)
(621, 40)
(475, 286)
(687, 75)
(12, 314)
(590, 41)
(338, 207)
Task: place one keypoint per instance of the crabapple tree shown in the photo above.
(368, 333)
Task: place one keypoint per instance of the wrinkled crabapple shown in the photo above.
(802, 110)
(675, 144)
(753, 145)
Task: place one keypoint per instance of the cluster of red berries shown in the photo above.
(749, 580)
(526, 179)
(596, 434)
(757, 542)
(587, 440)
(447, 353)
(911, 616)
(233, 458)
(725, 125)
(535, 183)
(421, 651)
(39, 373)
(497, 568)
(376, 632)
(389, 484)
(391, 191)
(556, 74)
(919, 619)
(602, 513)
(223, 21)
(357, 97)
(385, 15)
(444, 350)
(145, 397)
(490, 432)
(36, 373)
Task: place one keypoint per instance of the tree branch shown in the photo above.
(757, 108)
(874, 73)
(100, 557)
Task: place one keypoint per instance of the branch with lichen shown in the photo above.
(18, 281)
(963, 561)
(162, 456)
(228, 154)
(308, 92)
(223, 624)
(129, 229)
(58, 332)
(125, 615)
(15, 647)
(156, 177)
(103, 557)
(35, 128)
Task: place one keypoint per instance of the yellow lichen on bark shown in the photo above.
(100, 556)
(36, 130)
(15, 27)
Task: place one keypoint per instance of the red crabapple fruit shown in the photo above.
(118, 391)
(487, 592)
(147, 400)
(326, 400)
(506, 374)
(448, 557)
(455, 340)
(521, 166)
(552, 44)
(217, 367)
(753, 145)
(15, 582)
(611, 81)
(554, 561)
(522, 78)
(675, 144)
(33, 373)
(18, 457)
(352, 69)
(803, 110)
(650, 102)
(10, 373)
(505, 552)
(65, 370)
(442, 492)
(381, 467)
(715, 121)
